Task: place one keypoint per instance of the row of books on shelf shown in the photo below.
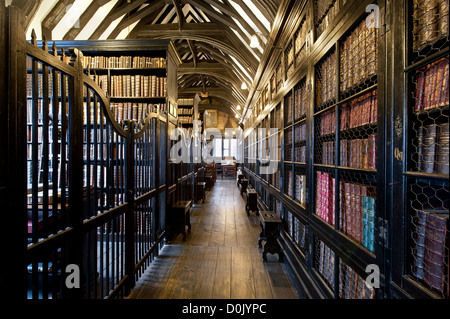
(430, 21)
(300, 154)
(357, 213)
(326, 80)
(288, 105)
(325, 197)
(432, 86)
(359, 153)
(433, 148)
(300, 40)
(325, 11)
(138, 86)
(296, 229)
(300, 189)
(359, 111)
(327, 123)
(354, 113)
(355, 153)
(185, 111)
(40, 84)
(359, 55)
(351, 284)
(185, 119)
(300, 132)
(111, 62)
(430, 248)
(124, 111)
(300, 100)
(357, 208)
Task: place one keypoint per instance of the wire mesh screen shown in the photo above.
(325, 129)
(359, 59)
(279, 76)
(300, 185)
(289, 59)
(324, 12)
(352, 285)
(429, 27)
(324, 262)
(357, 197)
(288, 108)
(300, 100)
(429, 234)
(288, 144)
(300, 143)
(325, 79)
(429, 119)
(325, 195)
(358, 132)
(288, 180)
(300, 41)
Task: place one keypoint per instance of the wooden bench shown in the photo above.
(200, 190)
(178, 218)
(252, 201)
(270, 231)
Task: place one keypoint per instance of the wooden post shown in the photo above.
(13, 169)
(76, 211)
(129, 215)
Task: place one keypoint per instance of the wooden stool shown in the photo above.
(270, 231)
(201, 191)
(244, 184)
(252, 201)
(239, 178)
(178, 218)
(209, 182)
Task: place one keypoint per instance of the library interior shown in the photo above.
(224, 149)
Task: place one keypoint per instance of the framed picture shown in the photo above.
(210, 118)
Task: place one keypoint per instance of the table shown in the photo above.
(270, 231)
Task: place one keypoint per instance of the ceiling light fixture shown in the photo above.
(254, 41)
(238, 107)
(243, 86)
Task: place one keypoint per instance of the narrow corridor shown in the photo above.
(220, 259)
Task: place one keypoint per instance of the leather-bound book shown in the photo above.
(435, 250)
(418, 237)
(442, 149)
(420, 84)
(428, 148)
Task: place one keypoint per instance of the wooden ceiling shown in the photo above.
(211, 36)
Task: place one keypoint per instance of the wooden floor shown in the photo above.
(220, 258)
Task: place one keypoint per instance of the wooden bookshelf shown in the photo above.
(421, 159)
(327, 112)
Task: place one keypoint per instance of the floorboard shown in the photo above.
(220, 258)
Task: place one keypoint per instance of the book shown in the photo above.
(427, 146)
(431, 86)
(436, 250)
(430, 22)
(442, 149)
(429, 234)
(359, 56)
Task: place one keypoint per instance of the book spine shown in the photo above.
(434, 261)
(442, 149)
(429, 148)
